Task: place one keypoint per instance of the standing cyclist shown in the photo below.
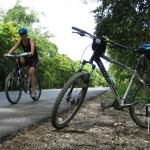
(28, 46)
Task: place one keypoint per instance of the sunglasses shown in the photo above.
(22, 34)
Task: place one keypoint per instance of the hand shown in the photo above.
(6, 54)
(30, 54)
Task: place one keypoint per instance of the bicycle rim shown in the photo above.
(13, 88)
(69, 100)
(139, 112)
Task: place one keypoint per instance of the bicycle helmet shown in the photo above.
(22, 30)
(144, 49)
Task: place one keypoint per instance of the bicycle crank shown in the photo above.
(114, 104)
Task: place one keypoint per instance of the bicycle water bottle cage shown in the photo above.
(99, 48)
(144, 49)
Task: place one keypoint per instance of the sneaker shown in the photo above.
(33, 94)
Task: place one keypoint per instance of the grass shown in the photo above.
(108, 95)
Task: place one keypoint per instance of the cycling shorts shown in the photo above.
(31, 61)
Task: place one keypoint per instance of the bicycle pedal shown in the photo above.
(103, 106)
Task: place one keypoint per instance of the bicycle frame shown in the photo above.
(139, 83)
(21, 70)
(134, 74)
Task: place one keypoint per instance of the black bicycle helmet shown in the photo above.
(22, 30)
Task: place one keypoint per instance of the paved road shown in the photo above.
(28, 112)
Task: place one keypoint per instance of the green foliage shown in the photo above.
(7, 38)
(20, 15)
(125, 22)
(8, 35)
(54, 70)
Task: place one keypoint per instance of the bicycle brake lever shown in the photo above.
(80, 33)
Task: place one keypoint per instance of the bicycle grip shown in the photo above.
(77, 29)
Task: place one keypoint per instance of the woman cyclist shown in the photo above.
(32, 60)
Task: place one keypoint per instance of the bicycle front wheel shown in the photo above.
(13, 88)
(69, 100)
(139, 112)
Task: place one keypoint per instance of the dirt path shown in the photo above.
(91, 129)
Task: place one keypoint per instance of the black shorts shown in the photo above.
(31, 61)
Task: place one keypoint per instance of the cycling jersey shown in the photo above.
(27, 48)
(32, 61)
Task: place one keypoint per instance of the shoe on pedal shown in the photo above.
(33, 94)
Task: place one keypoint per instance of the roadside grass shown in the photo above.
(107, 96)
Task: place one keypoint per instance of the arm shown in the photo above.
(32, 47)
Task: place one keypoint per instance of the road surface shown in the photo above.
(28, 112)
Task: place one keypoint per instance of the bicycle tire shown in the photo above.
(73, 92)
(139, 112)
(38, 89)
(13, 88)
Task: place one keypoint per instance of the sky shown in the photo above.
(60, 16)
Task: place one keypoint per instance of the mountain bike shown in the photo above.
(72, 95)
(18, 80)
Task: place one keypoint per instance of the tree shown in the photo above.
(126, 19)
(126, 22)
(21, 15)
(8, 37)
(54, 70)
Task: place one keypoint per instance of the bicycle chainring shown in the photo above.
(116, 105)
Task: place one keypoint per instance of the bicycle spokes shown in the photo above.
(13, 88)
(69, 100)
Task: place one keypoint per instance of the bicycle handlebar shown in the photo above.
(17, 55)
(84, 33)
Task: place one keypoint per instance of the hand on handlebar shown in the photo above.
(17, 55)
(30, 54)
(7, 54)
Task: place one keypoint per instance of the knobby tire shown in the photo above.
(77, 87)
(139, 112)
(13, 88)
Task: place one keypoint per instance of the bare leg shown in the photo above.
(32, 77)
(22, 61)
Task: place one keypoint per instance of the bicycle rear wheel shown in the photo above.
(13, 88)
(69, 100)
(139, 112)
(38, 89)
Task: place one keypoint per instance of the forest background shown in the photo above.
(125, 22)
